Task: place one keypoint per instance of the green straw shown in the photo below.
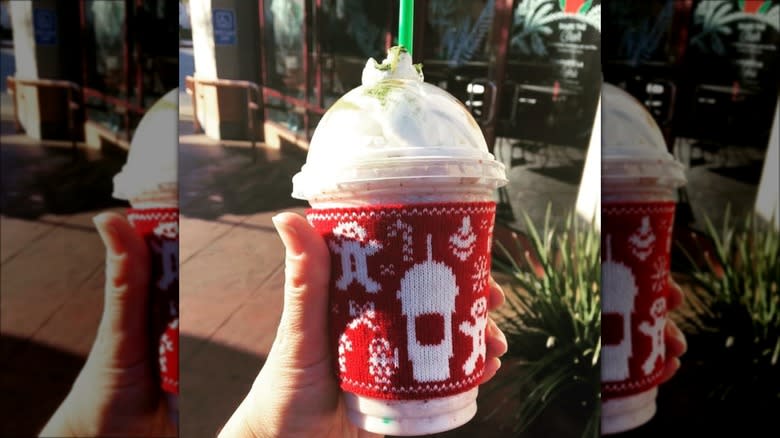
(406, 25)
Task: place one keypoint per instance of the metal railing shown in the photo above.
(73, 91)
(254, 99)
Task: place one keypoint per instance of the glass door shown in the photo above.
(313, 51)
(553, 72)
(106, 70)
(130, 59)
(461, 52)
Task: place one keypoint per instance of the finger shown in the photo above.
(674, 339)
(123, 326)
(491, 368)
(302, 336)
(496, 295)
(675, 295)
(495, 340)
(670, 369)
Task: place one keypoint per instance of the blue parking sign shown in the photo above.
(45, 25)
(224, 22)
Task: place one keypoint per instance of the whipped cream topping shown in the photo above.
(395, 126)
(633, 147)
(394, 113)
(628, 126)
(397, 65)
(151, 168)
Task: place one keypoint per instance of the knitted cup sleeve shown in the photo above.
(408, 296)
(159, 228)
(636, 246)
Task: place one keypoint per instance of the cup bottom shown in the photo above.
(625, 413)
(411, 417)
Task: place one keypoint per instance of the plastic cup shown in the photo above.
(639, 179)
(148, 181)
(401, 186)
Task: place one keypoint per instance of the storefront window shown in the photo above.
(314, 120)
(458, 31)
(639, 34)
(350, 32)
(157, 34)
(284, 36)
(105, 20)
(553, 71)
(456, 48)
(285, 114)
(131, 59)
(105, 69)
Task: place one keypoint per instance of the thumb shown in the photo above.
(302, 337)
(122, 334)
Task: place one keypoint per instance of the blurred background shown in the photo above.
(75, 79)
(708, 71)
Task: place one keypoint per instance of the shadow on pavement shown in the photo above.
(35, 380)
(214, 380)
(41, 177)
(215, 180)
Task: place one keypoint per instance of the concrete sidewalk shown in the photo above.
(231, 271)
(52, 270)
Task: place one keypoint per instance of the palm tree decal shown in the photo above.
(533, 19)
(714, 17)
(638, 44)
(461, 39)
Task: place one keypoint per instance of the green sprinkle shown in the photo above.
(387, 420)
(382, 90)
(342, 104)
(394, 54)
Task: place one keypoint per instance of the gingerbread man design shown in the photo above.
(656, 333)
(477, 333)
(168, 248)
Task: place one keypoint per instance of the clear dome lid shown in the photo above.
(633, 149)
(395, 127)
(151, 167)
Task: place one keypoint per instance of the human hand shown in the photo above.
(117, 392)
(674, 338)
(296, 393)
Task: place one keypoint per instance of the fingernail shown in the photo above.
(288, 235)
(108, 234)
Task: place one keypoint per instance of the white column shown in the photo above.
(26, 97)
(205, 66)
(589, 195)
(767, 203)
